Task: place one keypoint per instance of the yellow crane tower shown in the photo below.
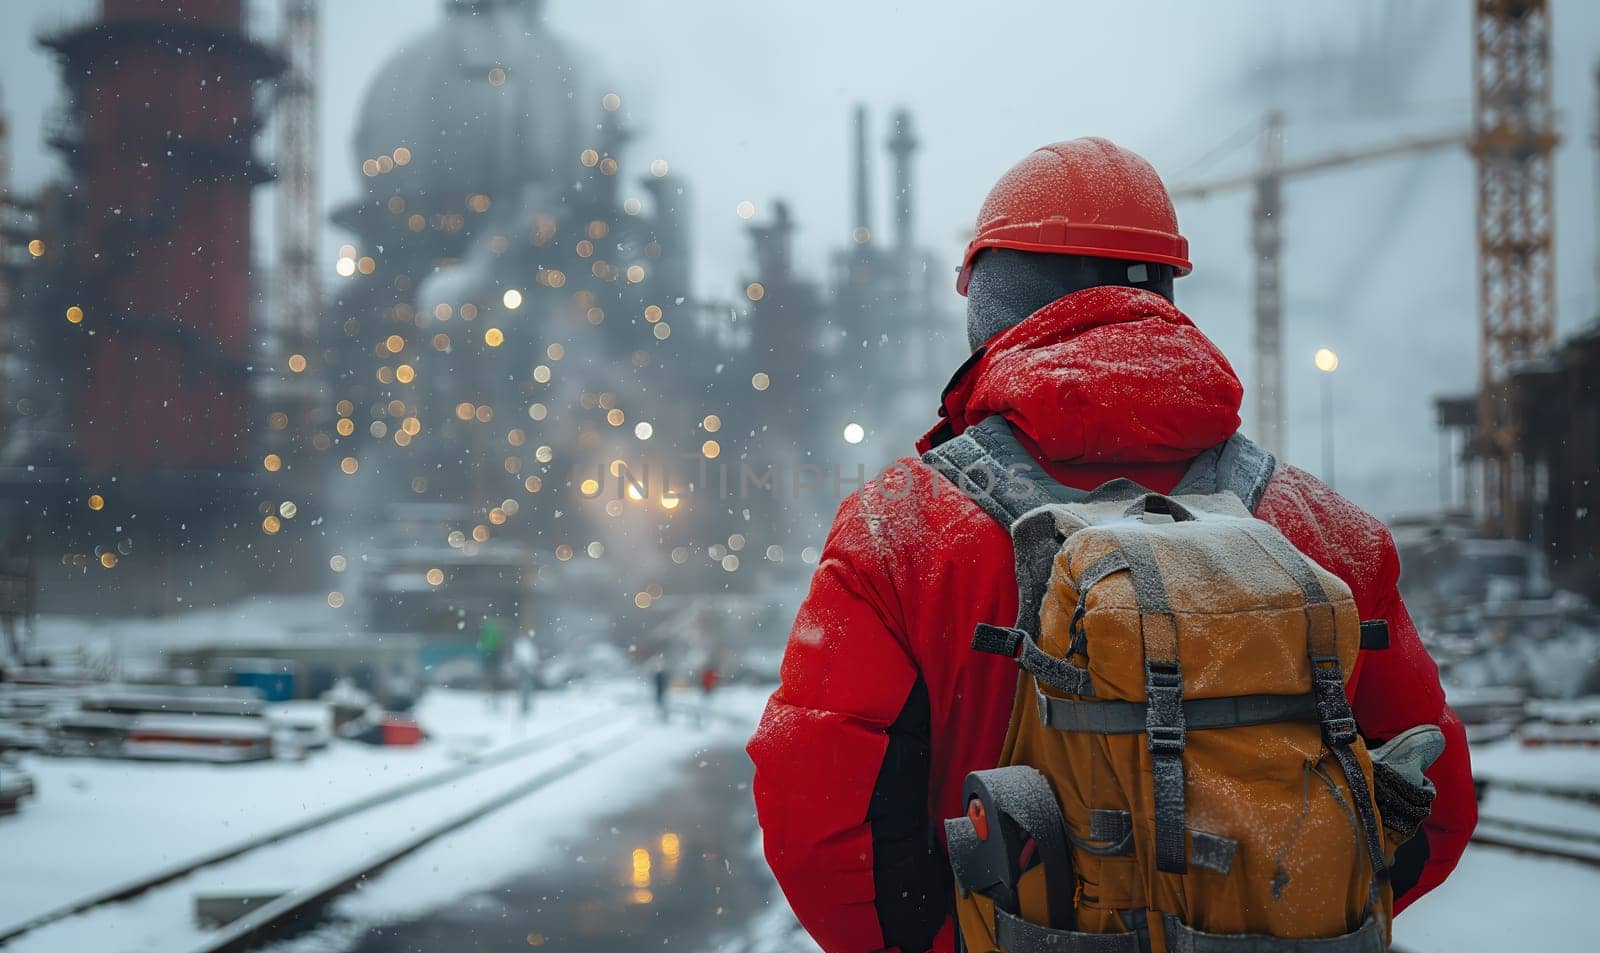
(1513, 139)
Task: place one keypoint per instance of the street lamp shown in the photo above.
(1327, 362)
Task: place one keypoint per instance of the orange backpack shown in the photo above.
(1182, 773)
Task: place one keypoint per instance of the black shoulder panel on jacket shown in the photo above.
(912, 879)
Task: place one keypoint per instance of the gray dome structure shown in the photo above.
(485, 102)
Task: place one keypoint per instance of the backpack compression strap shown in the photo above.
(988, 464)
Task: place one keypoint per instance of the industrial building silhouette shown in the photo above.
(511, 316)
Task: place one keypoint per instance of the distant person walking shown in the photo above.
(708, 684)
(491, 655)
(658, 676)
(525, 658)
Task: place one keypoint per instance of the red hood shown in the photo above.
(1106, 375)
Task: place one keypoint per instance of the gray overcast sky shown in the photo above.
(752, 100)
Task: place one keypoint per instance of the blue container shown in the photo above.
(273, 686)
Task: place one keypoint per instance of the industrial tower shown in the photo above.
(1266, 240)
(5, 276)
(158, 136)
(298, 291)
(1513, 138)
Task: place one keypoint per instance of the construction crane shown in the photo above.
(298, 295)
(1513, 139)
(1267, 242)
(5, 276)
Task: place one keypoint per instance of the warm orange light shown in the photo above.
(641, 867)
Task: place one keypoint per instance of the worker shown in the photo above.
(1081, 360)
(660, 681)
(525, 657)
(491, 657)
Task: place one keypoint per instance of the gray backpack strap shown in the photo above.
(1234, 466)
(988, 464)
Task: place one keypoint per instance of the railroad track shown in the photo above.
(611, 737)
(291, 910)
(1582, 847)
(1574, 844)
(1542, 830)
(1585, 795)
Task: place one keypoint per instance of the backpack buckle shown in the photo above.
(1162, 674)
(1165, 739)
(1339, 731)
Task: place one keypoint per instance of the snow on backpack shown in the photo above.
(1182, 773)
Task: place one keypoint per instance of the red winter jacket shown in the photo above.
(883, 707)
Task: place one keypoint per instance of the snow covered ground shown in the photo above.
(98, 823)
(1499, 899)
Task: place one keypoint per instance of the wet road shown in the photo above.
(678, 872)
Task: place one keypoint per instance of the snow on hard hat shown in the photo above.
(1084, 196)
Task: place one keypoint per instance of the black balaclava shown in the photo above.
(1008, 285)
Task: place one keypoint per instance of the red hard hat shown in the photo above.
(1081, 197)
